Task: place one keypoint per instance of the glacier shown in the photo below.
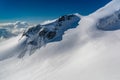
(87, 51)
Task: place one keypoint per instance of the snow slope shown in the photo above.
(87, 52)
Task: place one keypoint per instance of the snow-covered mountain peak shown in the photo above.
(39, 35)
(87, 52)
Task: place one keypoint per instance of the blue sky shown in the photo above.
(40, 10)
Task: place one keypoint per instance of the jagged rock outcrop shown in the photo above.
(40, 35)
(110, 22)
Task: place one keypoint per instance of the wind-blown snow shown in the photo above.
(84, 53)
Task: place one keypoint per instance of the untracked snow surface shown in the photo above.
(87, 51)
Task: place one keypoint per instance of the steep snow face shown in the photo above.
(38, 36)
(8, 30)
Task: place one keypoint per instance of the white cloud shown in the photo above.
(8, 30)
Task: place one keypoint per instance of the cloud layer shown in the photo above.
(8, 30)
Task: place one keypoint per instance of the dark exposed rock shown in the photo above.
(69, 17)
(43, 32)
(51, 35)
(61, 19)
(31, 30)
(37, 28)
(65, 17)
(32, 43)
(59, 24)
(118, 16)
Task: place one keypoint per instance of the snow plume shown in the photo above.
(8, 30)
(48, 22)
